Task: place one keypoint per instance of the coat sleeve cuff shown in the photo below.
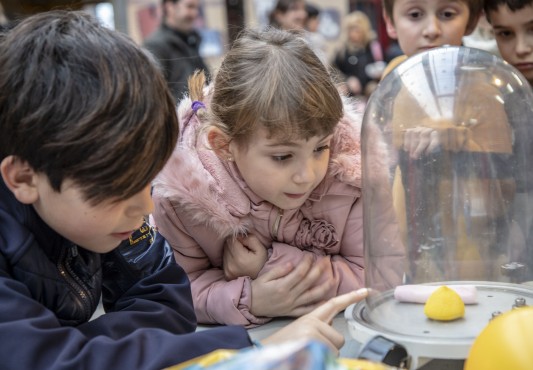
(245, 303)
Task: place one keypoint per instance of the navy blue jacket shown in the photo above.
(49, 289)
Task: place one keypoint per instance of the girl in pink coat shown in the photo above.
(261, 199)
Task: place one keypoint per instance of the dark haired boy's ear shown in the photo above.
(389, 24)
(219, 142)
(19, 177)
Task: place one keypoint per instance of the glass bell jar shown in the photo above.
(447, 152)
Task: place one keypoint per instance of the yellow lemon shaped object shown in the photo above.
(444, 304)
(505, 343)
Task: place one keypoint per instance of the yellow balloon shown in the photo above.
(505, 343)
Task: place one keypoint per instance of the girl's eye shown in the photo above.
(322, 148)
(281, 158)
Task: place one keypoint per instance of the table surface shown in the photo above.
(351, 347)
(349, 350)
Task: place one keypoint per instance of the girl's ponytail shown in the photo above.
(196, 84)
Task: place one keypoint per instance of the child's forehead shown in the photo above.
(440, 3)
(273, 138)
(506, 17)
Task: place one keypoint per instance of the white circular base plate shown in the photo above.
(406, 323)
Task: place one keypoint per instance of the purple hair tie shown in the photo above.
(197, 105)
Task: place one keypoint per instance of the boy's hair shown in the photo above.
(475, 7)
(273, 79)
(83, 102)
(513, 5)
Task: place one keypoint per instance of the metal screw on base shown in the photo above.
(519, 302)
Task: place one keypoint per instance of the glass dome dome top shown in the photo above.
(448, 198)
(452, 128)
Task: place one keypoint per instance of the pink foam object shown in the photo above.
(420, 293)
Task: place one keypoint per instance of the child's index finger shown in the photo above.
(331, 308)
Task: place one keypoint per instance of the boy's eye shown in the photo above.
(503, 34)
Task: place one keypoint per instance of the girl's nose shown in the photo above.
(305, 173)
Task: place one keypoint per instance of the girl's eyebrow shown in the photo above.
(282, 143)
(285, 142)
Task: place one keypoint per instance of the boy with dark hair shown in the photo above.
(87, 122)
(512, 22)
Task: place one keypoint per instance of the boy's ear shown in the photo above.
(219, 142)
(19, 177)
(391, 30)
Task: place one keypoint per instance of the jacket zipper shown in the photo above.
(275, 227)
(82, 293)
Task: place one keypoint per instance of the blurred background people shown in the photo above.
(315, 38)
(360, 58)
(176, 44)
(288, 15)
(392, 51)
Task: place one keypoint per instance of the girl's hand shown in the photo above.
(244, 256)
(316, 325)
(289, 290)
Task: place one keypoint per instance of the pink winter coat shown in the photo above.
(201, 200)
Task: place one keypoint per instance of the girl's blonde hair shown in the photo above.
(360, 19)
(271, 79)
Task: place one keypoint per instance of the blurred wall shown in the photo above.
(139, 18)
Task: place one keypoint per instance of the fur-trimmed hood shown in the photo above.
(212, 191)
